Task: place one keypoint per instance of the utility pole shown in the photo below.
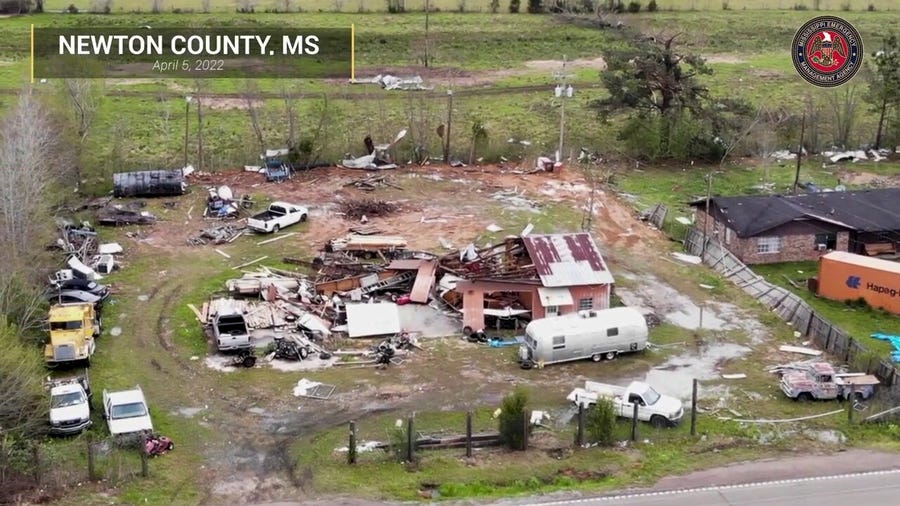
(187, 110)
(199, 136)
(707, 217)
(799, 153)
(447, 133)
(427, 10)
(563, 92)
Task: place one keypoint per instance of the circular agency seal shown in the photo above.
(827, 51)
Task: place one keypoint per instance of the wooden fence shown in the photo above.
(793, 310)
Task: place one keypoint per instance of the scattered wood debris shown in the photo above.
(217, 235)
(800, 349)
(370, 183)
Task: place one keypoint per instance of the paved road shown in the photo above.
(863, 489)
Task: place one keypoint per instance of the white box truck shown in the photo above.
(597, 334)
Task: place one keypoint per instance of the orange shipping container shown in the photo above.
(844, 276)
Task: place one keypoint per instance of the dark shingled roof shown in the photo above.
(862, 210)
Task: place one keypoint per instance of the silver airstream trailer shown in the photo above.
(596, 334)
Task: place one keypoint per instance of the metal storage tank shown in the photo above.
(149, 183)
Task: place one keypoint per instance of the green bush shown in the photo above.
(600, 422)
(514, 6)
(512, 419)
(535, 6)
(634, 7)
(651, 6)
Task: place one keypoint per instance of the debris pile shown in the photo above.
(370, 183)
(118, 215)
(357, 209)
(218, 235)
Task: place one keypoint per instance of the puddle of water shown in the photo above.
(689, 316)
(676, 375)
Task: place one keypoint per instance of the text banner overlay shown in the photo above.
(192, 53)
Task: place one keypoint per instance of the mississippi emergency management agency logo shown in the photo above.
(827, 51)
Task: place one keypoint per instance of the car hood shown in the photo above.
(668, 405)
(74, 412)
(129, 425)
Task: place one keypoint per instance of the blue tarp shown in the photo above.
(894, 340)
(496, 342)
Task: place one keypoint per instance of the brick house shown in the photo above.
(547, 274)
(763, 229)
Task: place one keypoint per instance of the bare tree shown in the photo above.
(84, 97)
(251, 99)
(246, 5)
(157, 6)
(30, 164)
(287, 5)
(22, 406)
(205, 5)
(290, 113)
(845, 101)
(198, 88)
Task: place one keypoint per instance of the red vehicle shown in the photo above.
(156, 445)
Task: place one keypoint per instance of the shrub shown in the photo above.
(634, 7)
(600, 422)
(512, 419)
(514, 6)
(651, 6)
(871, 7)
(495, 6)
(535, 6)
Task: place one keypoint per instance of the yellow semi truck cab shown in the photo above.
(73, 328)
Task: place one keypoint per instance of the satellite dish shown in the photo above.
(225, 193)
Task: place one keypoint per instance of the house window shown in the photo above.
(829, 240)
(768, 245)
(559, 342)
(585, 304)
(552, 310)
(612, 332)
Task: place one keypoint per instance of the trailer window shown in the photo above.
(612, 332)
(559, 342)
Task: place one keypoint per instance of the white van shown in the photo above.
(596, 334)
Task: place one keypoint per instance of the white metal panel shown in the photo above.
(555, 296)
(378, 319)
(575, 274)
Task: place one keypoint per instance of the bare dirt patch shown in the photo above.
(724, 58)
(868, 179)
(552, 65)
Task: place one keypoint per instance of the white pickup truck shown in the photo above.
(659, 410)
(277, 216)
(70, 405)
(126, 412)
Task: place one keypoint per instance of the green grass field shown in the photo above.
(361, 6)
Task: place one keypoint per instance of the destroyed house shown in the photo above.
(529, 277)
(763, 229)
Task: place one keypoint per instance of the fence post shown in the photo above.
(410, 440)
(579, 440)
(634, 423)
(469, 434)
(90, 458)
(36, 463)
(694, 407)
(145, 469)
(850, 403)
(849, 349)
(828, 337)
(351, 448)
(525, 419)
(812, 314)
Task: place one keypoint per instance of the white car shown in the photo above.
(126, 411)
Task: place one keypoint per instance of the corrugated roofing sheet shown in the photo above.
(567, 259)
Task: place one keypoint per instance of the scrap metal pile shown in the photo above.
(218, 235)
(357, 209)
